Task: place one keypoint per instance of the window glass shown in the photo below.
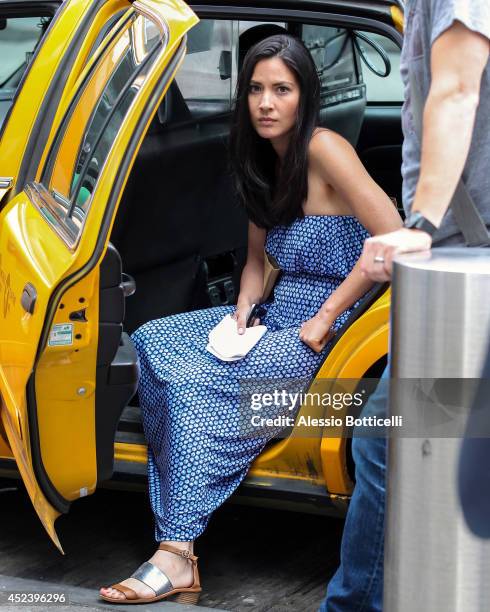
(382, 89)
(346, 60)
(247, 33)
(204, 79)
(19, 37)
(109, 25)
(95, 117)
(333, 52)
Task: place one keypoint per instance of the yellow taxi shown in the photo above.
(117, 207)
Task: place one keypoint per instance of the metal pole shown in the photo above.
(440, 326)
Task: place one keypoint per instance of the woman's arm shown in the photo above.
(252, 280)
(336, 161)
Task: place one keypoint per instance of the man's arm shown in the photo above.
(458, 59)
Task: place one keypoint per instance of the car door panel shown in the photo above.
(51, 251)
(24, 241)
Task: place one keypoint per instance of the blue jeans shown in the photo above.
(473, 481)
(357, 586)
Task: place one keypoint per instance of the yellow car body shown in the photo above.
(50, 269)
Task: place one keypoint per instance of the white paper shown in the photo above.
(222, 357)
(228, 345)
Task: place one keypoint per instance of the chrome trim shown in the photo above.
(6, 182)
(154, 16)
(54, 212)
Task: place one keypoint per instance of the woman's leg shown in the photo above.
(199, 446)
(173, 337)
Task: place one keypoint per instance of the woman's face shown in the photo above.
(273, 99)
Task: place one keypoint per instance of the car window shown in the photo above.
(333, 52)
(204, 79)
(95, 117)
(382, 89)
(347, 59)
(19, 37)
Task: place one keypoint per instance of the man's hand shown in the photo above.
(377, 256)
(316, 332)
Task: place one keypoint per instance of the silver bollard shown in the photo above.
(440, 328)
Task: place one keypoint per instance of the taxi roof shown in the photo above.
(377, 9)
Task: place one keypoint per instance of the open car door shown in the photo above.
(66, 369)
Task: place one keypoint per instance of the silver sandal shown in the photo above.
(159, 582)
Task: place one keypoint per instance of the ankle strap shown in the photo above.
(179, 551)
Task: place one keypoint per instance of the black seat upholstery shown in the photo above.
(178, 209)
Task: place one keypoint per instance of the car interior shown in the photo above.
(179, 234)
(179, 231)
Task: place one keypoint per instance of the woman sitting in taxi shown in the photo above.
(311, 204)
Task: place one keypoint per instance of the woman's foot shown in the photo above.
(178, 569)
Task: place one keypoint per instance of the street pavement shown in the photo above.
(77, 598)
(251, 559)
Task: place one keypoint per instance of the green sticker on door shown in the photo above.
(61, 335)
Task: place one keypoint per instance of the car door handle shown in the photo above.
(29, 297)
(128, 284)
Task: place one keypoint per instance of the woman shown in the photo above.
(312, 205)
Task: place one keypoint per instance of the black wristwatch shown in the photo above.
(416, 220)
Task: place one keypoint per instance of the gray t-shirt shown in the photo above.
(426, 20)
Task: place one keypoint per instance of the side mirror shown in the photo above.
(225, 65)
(3, 23)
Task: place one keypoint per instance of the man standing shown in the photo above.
(445, 68)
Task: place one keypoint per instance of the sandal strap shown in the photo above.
(179, 551)
(126, 591)
(149, 574)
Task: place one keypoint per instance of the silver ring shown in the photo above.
(379, 259)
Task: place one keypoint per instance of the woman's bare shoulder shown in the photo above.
(324, 138)
(327, 149)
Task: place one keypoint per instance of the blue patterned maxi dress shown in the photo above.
(197, 452)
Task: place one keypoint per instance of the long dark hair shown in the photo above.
(269, 199)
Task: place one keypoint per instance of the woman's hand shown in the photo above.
(316, 332)
(241, 315)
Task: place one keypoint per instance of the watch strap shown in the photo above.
(416, 220)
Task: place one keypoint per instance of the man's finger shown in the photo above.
(366, 256)
(388, 265)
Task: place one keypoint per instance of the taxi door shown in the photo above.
(62, 352)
